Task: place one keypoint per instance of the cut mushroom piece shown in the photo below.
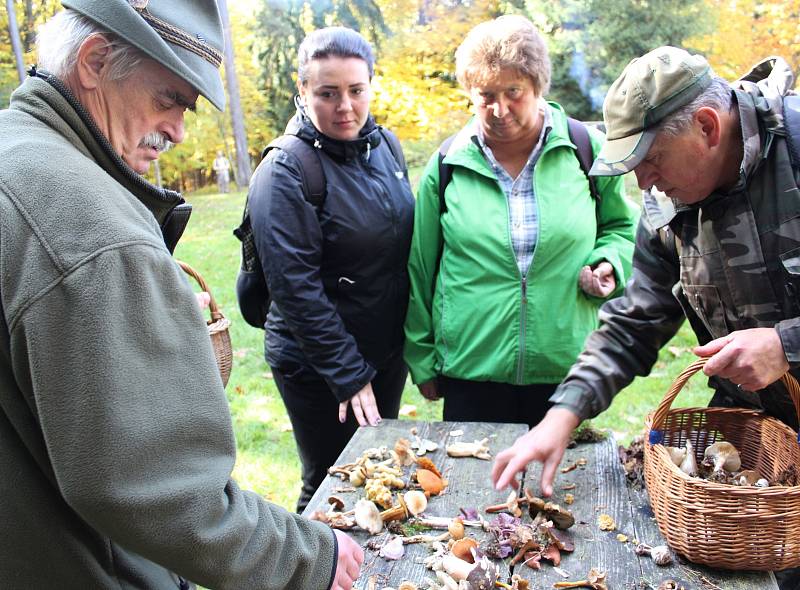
(723, 455)
(431, 483)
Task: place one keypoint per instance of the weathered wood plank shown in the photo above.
(598, 487)
(469, 486)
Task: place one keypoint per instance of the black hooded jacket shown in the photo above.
(337, 276)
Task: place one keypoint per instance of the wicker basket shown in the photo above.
(720, 525)
(217, 328)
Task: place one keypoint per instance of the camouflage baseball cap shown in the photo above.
(649, 88)
(184, 36)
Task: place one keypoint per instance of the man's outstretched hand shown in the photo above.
(545, 443)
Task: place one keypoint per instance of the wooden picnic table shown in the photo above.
(599, 488)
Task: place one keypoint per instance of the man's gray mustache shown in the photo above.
(156, 140)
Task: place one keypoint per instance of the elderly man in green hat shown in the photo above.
(718, 243)
(116, 438)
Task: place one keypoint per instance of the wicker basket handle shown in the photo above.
(216, 314)
(660, 415)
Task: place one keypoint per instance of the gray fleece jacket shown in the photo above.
(116, 444)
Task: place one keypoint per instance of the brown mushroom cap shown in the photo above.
(561, 517)
(463, 549)
(337, 504)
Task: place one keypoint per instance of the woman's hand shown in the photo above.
(429, 390)
(598, 281)
(364, 407)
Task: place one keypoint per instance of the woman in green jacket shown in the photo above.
(507, 277)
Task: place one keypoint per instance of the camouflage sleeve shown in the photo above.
(789, 333)
(632, 329)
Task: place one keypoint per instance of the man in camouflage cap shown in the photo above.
(117, 445)
(718, 243)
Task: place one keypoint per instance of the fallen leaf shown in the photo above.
(408, 410)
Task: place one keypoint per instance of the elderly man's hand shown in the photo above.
(751, 358)
(598, 281)
(365, 409)
(350, 556)
(203, 299)
(545, 443)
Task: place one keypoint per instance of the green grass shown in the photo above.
(267, 461)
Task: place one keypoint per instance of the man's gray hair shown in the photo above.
(59, 39)
(717, 96)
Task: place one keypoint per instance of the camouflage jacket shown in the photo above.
(728, 263)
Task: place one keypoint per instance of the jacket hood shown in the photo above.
(368, 138)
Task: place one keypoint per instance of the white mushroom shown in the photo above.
(416, 502)
(724, 456)
(368, 517)
(677, 455)
(689, 464)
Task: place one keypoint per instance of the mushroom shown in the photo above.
(748, 477)
(368, 517)
(410, 504)
(456, 528)
(393, 550)
(431, 483)
(676, 455)
(423, 445)
(455, 567)
(689, 463)
(561, 539)
(723, 455)
(463, 549)
(511, 505)
(477, 449)
(595, 579)
(660, 554)
(407, 586)
(483, 576)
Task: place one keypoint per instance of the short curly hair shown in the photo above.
(509, 42)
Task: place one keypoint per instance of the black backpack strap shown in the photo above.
(314, 185)
(791, 118)
(445, 173)
(395, 148)
(579, 135)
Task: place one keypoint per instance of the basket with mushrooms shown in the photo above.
(723, 482)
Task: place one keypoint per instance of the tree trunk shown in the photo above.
(13, 31)
(29, 37)
(242, 176)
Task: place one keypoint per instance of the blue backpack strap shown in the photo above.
(791, 118)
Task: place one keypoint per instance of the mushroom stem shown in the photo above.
(528, 546)
(500, 584)
(577, 584)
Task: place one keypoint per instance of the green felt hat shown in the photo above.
(184, 36)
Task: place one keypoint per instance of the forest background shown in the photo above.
(415, 91)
